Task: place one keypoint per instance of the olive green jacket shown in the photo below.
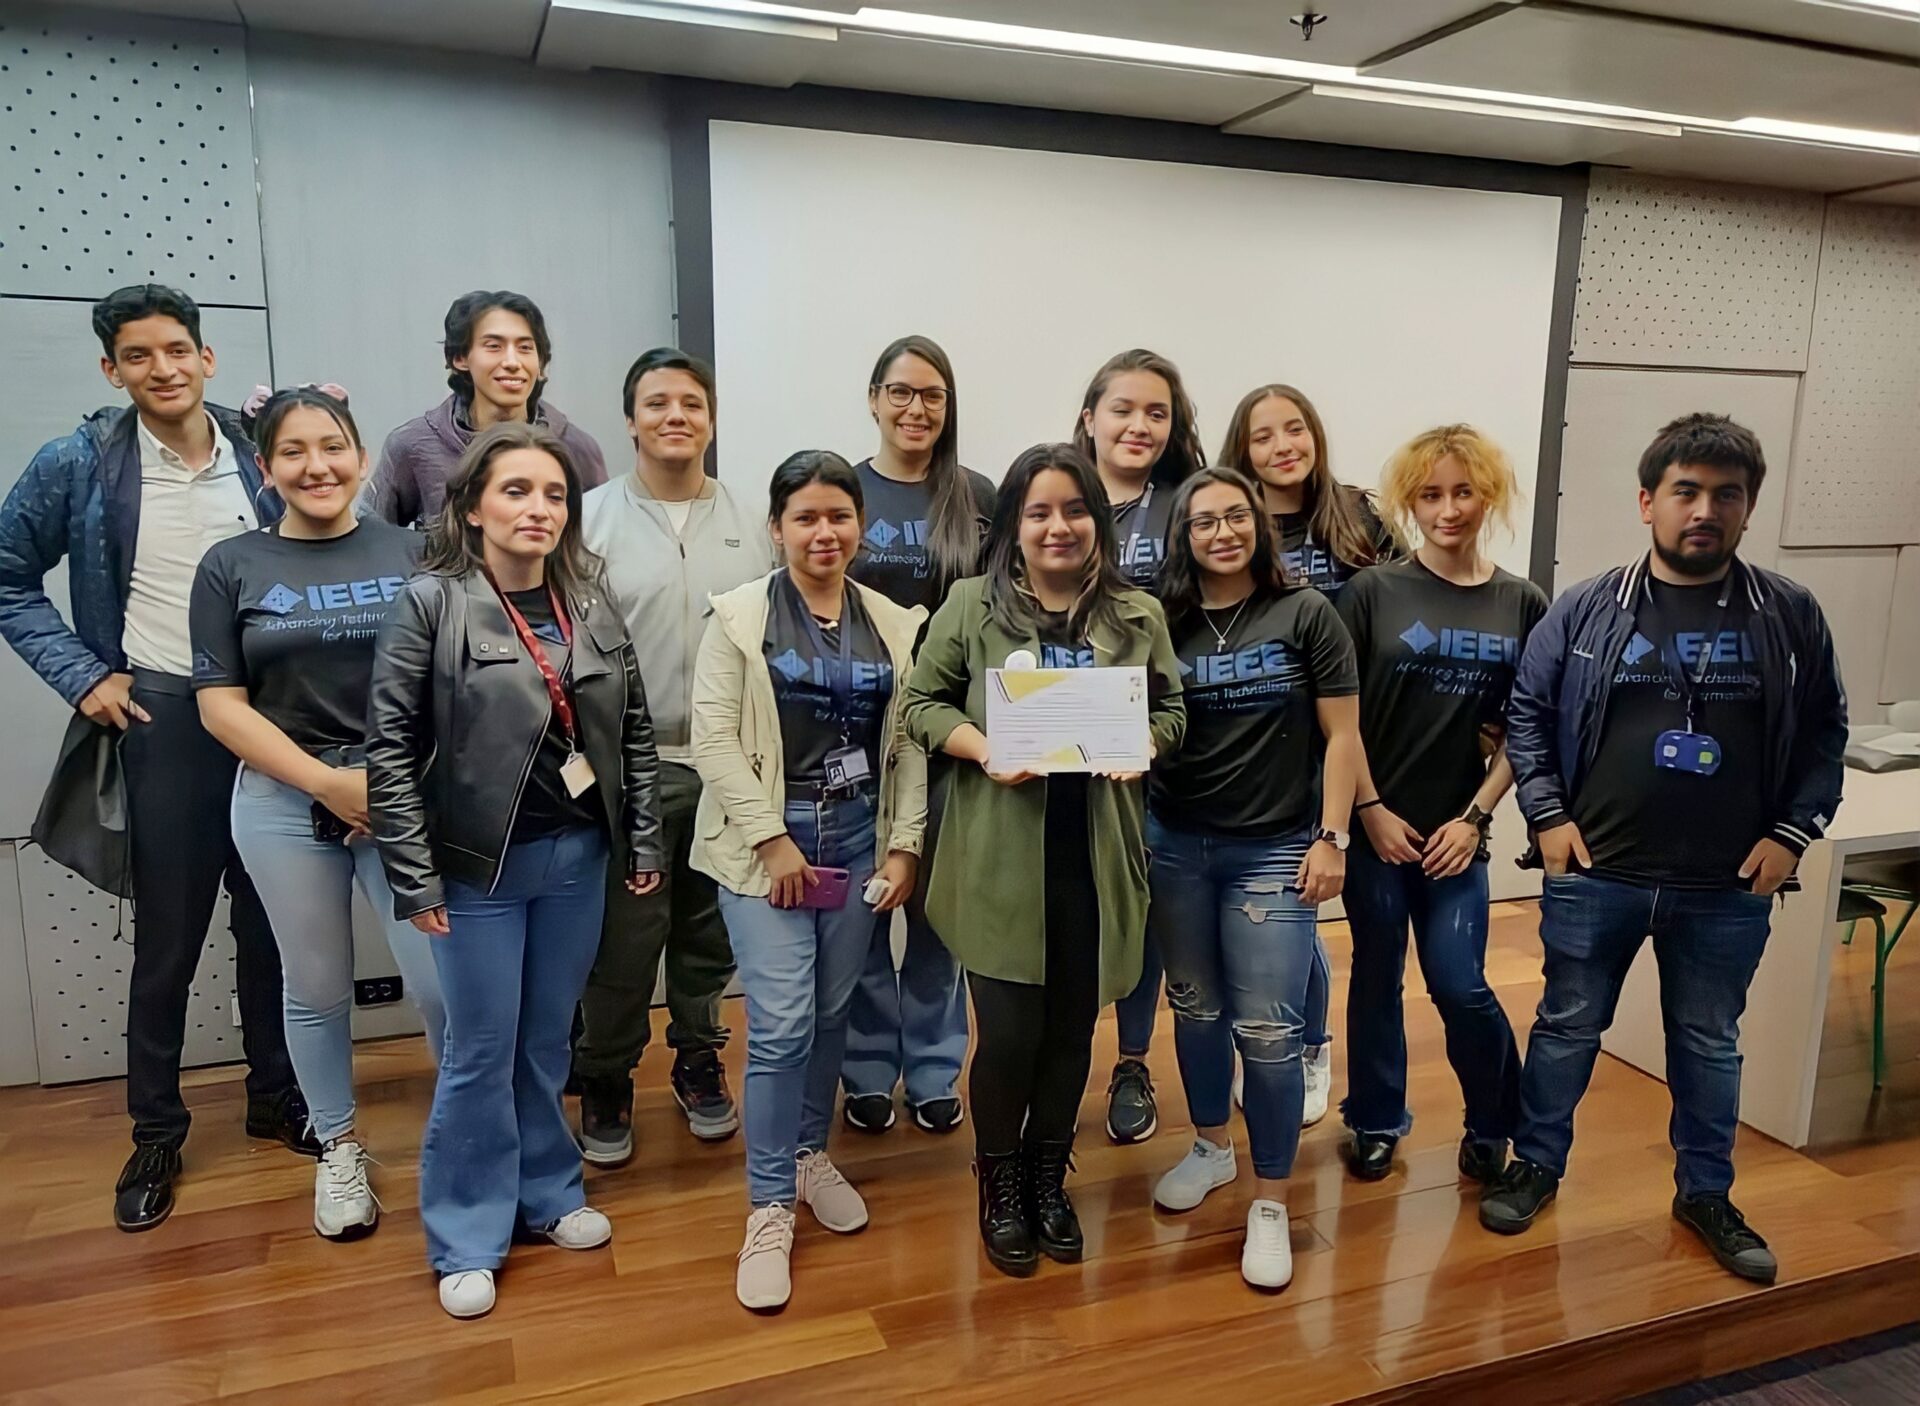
(985, 896)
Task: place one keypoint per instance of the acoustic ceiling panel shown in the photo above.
(1673, 274)
(1856, 479)
(128, 159)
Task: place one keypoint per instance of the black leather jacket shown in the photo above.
(455, 718)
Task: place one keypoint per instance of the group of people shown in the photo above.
(571, 732)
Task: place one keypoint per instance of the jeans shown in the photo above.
(912, 1022)
(1134, 1012)
(680, 920)
(1708, 944)
(1034, 1043)
(179, 789)
(1238, 942)
(307, 886)
(798, 967)
(497, 1143)
(1449, 921)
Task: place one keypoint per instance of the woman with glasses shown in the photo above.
(1138, 426)
(1248, 835)
(1438, 638)
(926, 517)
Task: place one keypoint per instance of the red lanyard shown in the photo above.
(562, 705)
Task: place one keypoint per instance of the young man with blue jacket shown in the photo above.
(133, 498)
(1675, 730)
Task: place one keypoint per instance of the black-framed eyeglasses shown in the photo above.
(1208, 524)
(900, 394)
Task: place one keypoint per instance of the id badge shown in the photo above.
(1695, 752)
(846, 767)
(577, 773)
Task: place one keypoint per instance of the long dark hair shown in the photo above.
(454, 545)
(1178, 588)
(953, 528)
(463, 319)
(1008, 595)
(1183, 455)
(1332, 510)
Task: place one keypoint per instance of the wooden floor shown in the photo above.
(1398, 1294)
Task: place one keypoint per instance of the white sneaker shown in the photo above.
(584, 1229)
(1267, 1260)
(468, 1293)
(1317, 1066)
(344, 1207)
(1204, 1168)
(830, 1196)
(763, 1279)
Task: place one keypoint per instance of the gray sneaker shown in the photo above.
(1204, 1169)
(606, 1121)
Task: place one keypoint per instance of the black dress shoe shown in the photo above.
(1482, 1161)
(1056, 1228)
(143, 1197)
(285, 1120)
(1003, 1218)
(1370, 1155)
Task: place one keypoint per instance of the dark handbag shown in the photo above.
(82, 822)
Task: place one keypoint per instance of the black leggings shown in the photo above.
(1033, 1045)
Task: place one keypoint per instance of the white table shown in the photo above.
(1787, 1005)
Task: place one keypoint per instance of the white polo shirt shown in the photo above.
(183, 512)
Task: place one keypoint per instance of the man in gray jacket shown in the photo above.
(671, 536)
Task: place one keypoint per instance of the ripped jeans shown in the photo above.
(1237, 941)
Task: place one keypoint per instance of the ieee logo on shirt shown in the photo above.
(280, 598)
(1478, 646)
(882, 535)
(792, 665)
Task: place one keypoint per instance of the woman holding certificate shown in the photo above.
(1248, 835)
(810, 820)
(1039, 886)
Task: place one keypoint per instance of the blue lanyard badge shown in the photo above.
(846, 766)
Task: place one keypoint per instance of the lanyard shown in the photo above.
(556, 690)
(840, 674)
(1686, 682)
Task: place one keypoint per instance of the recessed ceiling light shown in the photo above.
(1493, 109)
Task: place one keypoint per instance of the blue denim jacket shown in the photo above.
(1559, 701)
(80, 498)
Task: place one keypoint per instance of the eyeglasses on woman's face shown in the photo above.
(1206, 526)
(900, 395)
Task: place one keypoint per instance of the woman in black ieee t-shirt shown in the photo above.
(1138, 426)
(926, 518)
(1438, 637)
(283, 623)
(1248, 835)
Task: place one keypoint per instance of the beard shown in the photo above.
(1703, 562)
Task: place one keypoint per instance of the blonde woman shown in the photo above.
(1438, 637)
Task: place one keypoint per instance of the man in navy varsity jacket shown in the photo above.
(1675, 730)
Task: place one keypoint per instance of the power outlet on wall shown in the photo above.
(377, 991)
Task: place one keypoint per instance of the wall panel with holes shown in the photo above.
(1856, 463)
(1676, 273)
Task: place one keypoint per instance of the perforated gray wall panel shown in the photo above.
(79, 957)
(129, 156)
(1674, 273)
(1856, 462)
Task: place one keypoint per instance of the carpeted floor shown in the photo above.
(1883, 1370)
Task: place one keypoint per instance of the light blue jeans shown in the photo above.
(513, 967)
(307, 887)
(910, 1023)
(798, 967)
(1238, 945)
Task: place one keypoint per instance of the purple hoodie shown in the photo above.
(410, 482)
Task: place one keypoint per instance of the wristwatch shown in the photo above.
(1337, 838)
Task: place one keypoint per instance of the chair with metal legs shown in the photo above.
(1860, 900)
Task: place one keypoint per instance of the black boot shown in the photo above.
(1055, 1226)
(1003, 1221)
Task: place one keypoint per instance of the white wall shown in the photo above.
(1396, 307)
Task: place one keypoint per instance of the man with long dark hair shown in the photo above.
(1675, 729)
(133, 498)
(498, 354)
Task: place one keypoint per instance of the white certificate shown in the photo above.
(1065, 720)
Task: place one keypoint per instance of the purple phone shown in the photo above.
(831, 891)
